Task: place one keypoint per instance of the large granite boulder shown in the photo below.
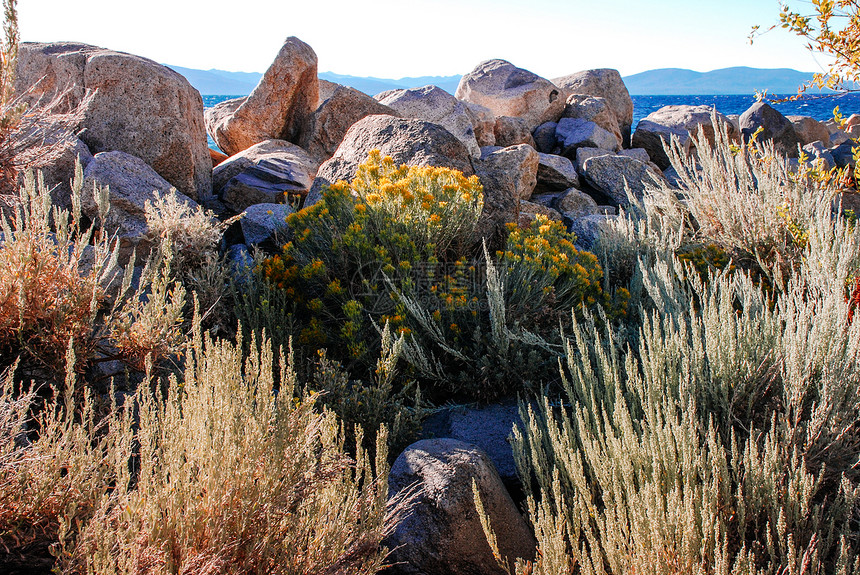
(488, 427)
(510, 91)
(604, 83)
(594, 109)
(137, 106)
(575, 133)
(433, 104)
(683, 122)
(774, 127)
(264, 173)
(278, 108)
(441, 533)
(809, 130)
(611, 175)
(411, 142)
(335, 116)
(131, 183)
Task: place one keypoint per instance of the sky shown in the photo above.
(397, 38)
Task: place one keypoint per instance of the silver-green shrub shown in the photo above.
(724, 437)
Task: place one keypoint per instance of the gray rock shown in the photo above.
(265, 224)
(588, 229)
(512, 131)
(433, 104)
(131, 183)
(544, 137)
(508, 176)
(555, 173)
(640, 154)
(837, 135)
(412, 142)
(334, 117)
(843, 154)
(594, 109)
(671, 176)
(441, 533)
(278, 108)
(138, 107)
(582, 154)
(775, 127)
(510, 91)
(682, 122)
(574, 133)
(810, 130)
(608, 174)
(264, 173)
(548, 199)
(488, 427)
(60, 170)
(605, 83)
(487, 150)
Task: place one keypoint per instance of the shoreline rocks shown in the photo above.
(279, 107)
(137, 106)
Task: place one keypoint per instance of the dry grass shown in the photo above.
(53, 280)
(236, 477)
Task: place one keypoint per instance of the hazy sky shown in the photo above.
(396, 38)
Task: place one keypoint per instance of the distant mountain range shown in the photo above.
(221, 82)
(665, 81)
(738, 80)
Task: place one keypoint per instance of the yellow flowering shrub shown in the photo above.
(396, 246)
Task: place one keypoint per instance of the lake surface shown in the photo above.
(815, 107)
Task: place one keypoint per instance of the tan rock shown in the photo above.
(484, 123)
(217, 157)
(335, 116)
(138, 107)
(279, 107)
(810, 130)
(530, 210)
(510, 91)
(508, 176)
(512, 131)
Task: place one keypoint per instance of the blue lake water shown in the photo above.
(816, 107)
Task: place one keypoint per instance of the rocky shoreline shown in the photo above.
(563, 148)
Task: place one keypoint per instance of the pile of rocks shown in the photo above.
(561, 148)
